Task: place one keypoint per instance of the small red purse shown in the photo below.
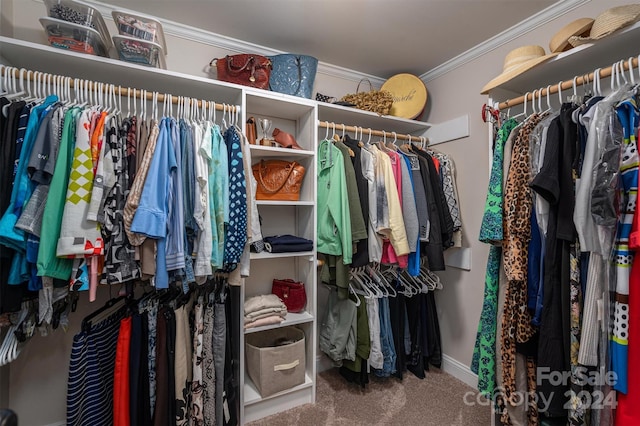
(291, 292)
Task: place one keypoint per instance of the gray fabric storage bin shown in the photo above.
(274, 367)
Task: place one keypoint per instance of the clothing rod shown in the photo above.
(124, 92)
(366, 131)
(567, 84)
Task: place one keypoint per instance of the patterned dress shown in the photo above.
(120, 262)
(236, 232)
(516, 320)
(628, 115)
(484, 354)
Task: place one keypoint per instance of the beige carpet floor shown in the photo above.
(435, 401)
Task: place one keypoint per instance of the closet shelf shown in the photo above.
(266, 255)
(268, 151)
(357, 117)
(265, 103)
(576, 62)
(291, 319)
(40, 57)
(252, 396)
(285, 203)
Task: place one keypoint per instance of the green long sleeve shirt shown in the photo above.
(334, 223)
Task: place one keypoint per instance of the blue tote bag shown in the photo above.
(293, 74)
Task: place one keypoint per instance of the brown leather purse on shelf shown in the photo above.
(278, 180)
(248, 70)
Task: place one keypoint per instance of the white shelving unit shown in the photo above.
(294, 115)
(297, 117)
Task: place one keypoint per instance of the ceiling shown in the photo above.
(377, 37)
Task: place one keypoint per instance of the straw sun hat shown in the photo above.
(516, 62)
(579, 27)
(608, 22)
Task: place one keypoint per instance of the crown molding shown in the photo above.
(543, 17)
(230, 44)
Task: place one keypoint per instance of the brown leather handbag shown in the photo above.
(248, 70)
(278, 180)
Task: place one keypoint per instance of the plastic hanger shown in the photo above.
(540, 110)
(548, 99)
(614, 76)
(66, 83)
(353, 290)
(142, 101)
(622, 74)
(111, 306)
(364, 290)
(417, 284)
(31, 86)
(49, 86)
(392, 145)
(369, 283)
(164, 106)
(135, 103)
(631, 76)
(524, 104)
(129, 102)
(560, 93)
(58, 87)
(375, 282)
(382, 280)
(413, 286)
(224, 118)
(383, 144)
(595, 86)
(66, 88)
(38, 86)
(4, 81)
(155, 107)
(82, 91)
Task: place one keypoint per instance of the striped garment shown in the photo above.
(627, 113)
(91, 371)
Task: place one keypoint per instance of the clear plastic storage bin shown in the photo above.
(139, 26)
(74, 37)
(79, 13)
(139, 51)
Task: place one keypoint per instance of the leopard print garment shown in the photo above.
(516, 320)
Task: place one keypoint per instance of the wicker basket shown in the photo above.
(379, 101)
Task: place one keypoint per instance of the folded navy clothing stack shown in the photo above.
(287, 244)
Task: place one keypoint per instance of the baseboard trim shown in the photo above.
(323, 363)
(459, 371)
(61, 423)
